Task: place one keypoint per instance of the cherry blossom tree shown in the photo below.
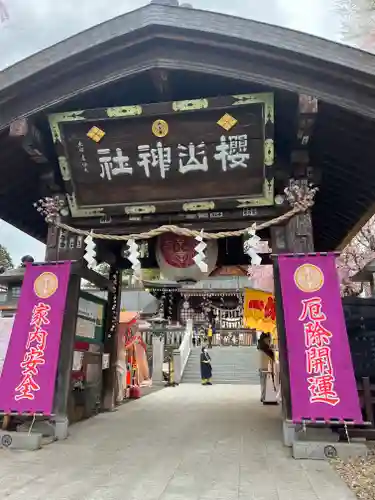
(357, 22)
(359, 252)
(262, 278)
(5, 259)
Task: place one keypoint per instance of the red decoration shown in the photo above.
(178, 251)
(135, 392)
(270, 309)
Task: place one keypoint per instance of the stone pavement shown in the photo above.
(184, 443)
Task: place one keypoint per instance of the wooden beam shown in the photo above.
(111, 339)
(298, 231)
(104, 254)
(92, 276)
(62, 245)
(356, 228)
(64, 371)
(122, 222)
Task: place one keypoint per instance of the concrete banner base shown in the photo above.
(326, 450)
(20, 440)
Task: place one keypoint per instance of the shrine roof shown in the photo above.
(117, 63)
(184, 26)
(128, 316)
(12, 276)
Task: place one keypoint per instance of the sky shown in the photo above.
(36, 24)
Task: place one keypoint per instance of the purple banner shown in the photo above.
(27, 383)
(322, 382)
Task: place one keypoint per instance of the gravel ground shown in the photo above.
(359, 474)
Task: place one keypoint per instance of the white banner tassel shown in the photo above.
(133, 256)
(250, 246)
(90, 252)
(200, 257)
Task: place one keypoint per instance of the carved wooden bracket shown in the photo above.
(30, 139)
(160, 80)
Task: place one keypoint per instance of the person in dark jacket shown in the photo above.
(267, 360)
(206, 368)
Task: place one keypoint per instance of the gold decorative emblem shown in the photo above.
(268, 152)
(46, 285)
(124, 111)
(96, 134)
(160, 128)
(190, 105)
(196, 206)
(227, 122)
(309, 278)
(140, 209)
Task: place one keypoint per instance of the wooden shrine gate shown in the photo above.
(177, 121)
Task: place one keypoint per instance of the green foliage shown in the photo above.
(103, 269)
(5, 258)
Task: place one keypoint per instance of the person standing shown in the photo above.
(266, 368)
(206, 367)
(195, 337)
(210, 333)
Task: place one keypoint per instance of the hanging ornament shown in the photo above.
(90, 252)
(200, 257)
(162, 305)
(250, 246)
(133, 256)
(186, 304)
(170, 305)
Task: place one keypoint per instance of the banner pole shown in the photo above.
(64, 371)
(283, 351)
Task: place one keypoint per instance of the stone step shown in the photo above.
(231, 365)
(223, 377)
(224, 372)
(218, 379)
(222, 382)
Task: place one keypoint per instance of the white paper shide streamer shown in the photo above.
(90, 252)
(250, 245)
(133, 256)
(200, 257)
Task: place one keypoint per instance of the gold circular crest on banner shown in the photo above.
(160, 128)
(46, 285)
(309, 278)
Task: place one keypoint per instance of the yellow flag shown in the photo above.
(259, 311)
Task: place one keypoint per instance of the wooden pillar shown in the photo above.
(62, 245)
(299, 234)
(65, 246)
(64, 371)
(111, 340)
(295, 237)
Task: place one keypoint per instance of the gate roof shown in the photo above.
(103, 64)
